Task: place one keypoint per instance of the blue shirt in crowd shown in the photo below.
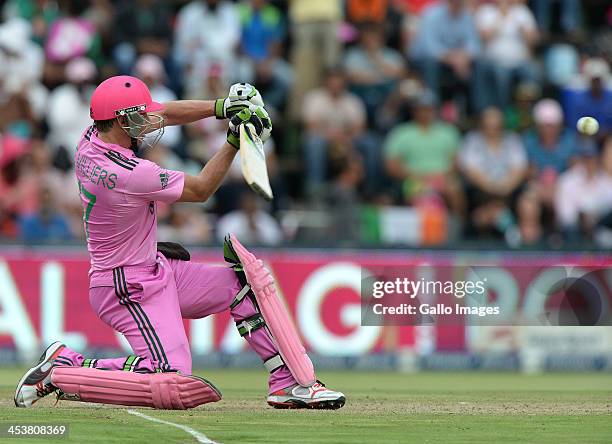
(441, 32)
(557, 157)
(260, 29)
(577, 104)
(33, 228)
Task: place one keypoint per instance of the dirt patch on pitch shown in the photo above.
(368, 405)
(490, 407)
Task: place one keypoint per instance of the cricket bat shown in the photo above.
(253, 162)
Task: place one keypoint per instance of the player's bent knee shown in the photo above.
(158, 390)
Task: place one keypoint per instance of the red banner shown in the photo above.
(44, 297)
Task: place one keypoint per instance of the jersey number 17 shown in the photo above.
(91, 201)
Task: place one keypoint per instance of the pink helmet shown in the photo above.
(120, 94)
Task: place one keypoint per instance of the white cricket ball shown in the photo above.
(588, 126)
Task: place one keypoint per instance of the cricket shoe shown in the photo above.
(317, 396)
(36, 383)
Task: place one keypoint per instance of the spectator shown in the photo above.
(16, 114)
(150, 68)
(399, 24)
(315, 45)
(550, 150)
(262, 29)
(571, 15)
(333, 117)
(508, 31)
(494, 164)
(37, 171)
(71, 36)
(46, 224)
(590, 95)
(68, 109)
(447, 46)
(22, 59)
(102, 14)
(25, 169)
(39, 14)
(519, 116)
(342, 199)
(372, 68)
(274, 87)
(529, 212)
(550, 147)
(561, 63)
(600, 41)
(207, 32)
(141, 27)
(16, 194)
(250, 223)
(417, 6)
(363, 11)
(603, 230)
(398, 107)
(421, 155)
(12, 150)
(583, 196)
(22, 97)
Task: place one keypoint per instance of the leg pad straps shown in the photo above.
(240, 296)
(273, 363)
(250, 324)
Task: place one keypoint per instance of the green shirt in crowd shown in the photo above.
(423, 151)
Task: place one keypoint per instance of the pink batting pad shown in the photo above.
(276, 316)
(158, 390)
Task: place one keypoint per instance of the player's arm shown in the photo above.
(180, 112)
(200, 187)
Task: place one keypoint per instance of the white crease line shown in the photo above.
(201, 437)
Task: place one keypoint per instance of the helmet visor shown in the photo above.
(144, 127)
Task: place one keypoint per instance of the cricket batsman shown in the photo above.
(143, 289)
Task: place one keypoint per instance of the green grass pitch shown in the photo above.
(381, 408)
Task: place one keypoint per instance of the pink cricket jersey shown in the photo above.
(118, 192)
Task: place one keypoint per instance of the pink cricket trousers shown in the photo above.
(148, 304)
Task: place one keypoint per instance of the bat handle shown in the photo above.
(250, 130)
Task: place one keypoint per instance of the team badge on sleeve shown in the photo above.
(163, 178)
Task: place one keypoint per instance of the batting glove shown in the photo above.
(255, 115)
(241, 95)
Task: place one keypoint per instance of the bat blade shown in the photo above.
(253, 162)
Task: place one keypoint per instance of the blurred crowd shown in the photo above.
(462, 113)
